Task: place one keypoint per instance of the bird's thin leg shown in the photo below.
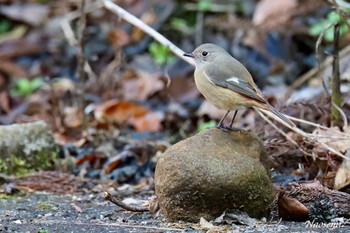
(229, 127)
(233, 118)
(219, 125)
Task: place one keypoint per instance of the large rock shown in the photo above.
(26, 148)
(214, 170)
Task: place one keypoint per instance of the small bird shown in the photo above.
(226, 83)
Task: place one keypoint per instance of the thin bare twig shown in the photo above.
(81, 31)
(304, 134)
(336, 97)
(342, 113)
(150, 31)
(314, 71)
(283, 133)
(121, 204)
(65, 22)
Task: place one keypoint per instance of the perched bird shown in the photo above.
(226, 83)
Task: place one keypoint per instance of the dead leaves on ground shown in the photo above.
(290, 208)
(273, 14)
(50, 181)
(311, 200)
(342, 177)
(123, 112)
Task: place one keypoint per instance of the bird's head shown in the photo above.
(206, 53)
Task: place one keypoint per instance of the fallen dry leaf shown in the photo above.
(73, 117)
(149, 122)
(272, 13)
(118, 111)
(334, 138)
(290, 208)
(12, 69)
(62, 85)
(92, 158)
(205, 225)
(112, 164)
(140, 86)
(118, 38)
(25, 12)
(63, 138)
(342, 177)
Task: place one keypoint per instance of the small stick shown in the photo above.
(81, 44)
(336, 97)
(314, 71)
(302, 133)
(121, 204)
(150, 31)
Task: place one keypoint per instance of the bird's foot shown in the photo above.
(221, 127)
(230, 128)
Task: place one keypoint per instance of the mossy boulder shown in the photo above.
(212, 171)
(25, 148)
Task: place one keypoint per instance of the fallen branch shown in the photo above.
(302, 133)
(147, 29)
(121, 204)
(321, 202)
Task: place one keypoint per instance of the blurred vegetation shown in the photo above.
(25, 87)
(161, 54)
(332, 18)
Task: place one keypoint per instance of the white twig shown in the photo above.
(68, 32)
(345, 120)
(302, 133)
(65, 22)
(278, 129)
(346, 136)
(147, 29)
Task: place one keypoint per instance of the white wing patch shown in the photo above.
(233, 79)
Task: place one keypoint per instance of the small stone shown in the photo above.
(214, 170)
(18, 222)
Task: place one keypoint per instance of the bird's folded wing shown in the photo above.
(223, 78)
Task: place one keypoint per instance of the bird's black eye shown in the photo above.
(204, 53)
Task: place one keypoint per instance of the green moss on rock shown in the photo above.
(25, 148)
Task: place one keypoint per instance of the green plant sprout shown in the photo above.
(332, 18)
(25, 87)
(205, 125)
(204, 5)
(161, 54)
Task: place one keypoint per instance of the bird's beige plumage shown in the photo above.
(226, 83)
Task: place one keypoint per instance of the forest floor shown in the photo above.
(45, 212)
(115, 100)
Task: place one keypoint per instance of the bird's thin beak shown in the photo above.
(188, 55)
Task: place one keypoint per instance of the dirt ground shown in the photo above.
(43, 212)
